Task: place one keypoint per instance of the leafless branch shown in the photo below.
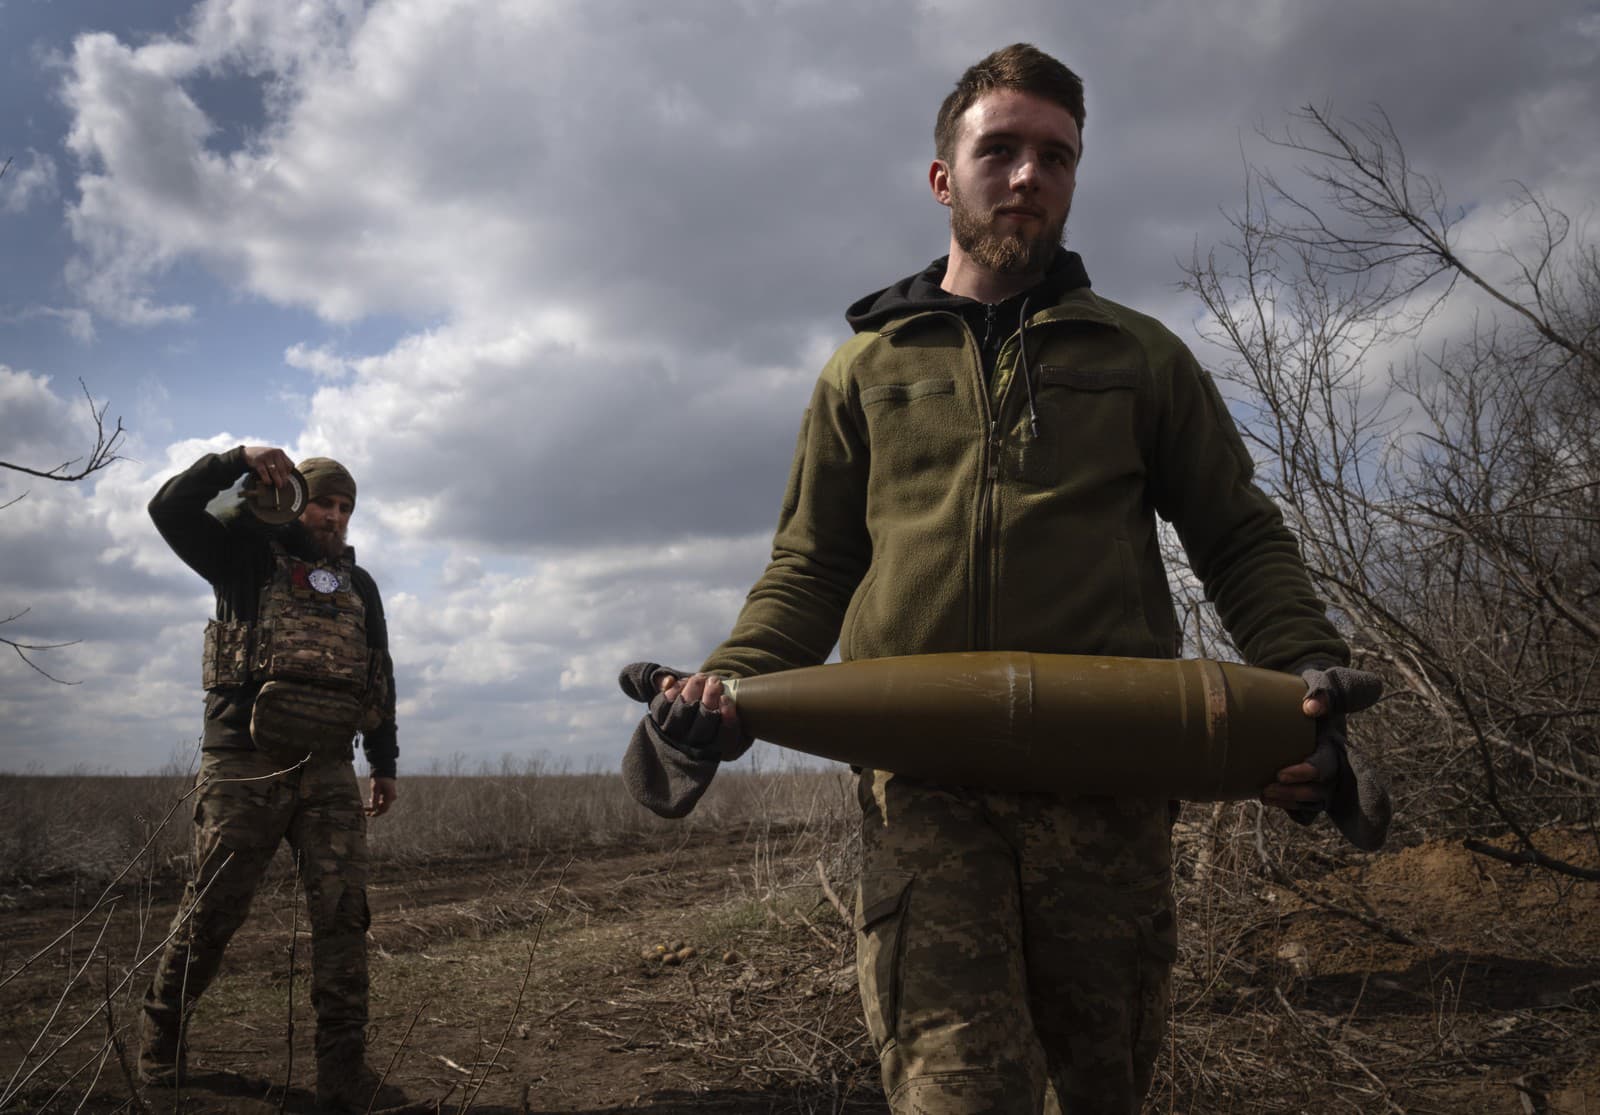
(103, 454)
(105, 893)
(22, 648)
(1449, 505)
(1532, 857)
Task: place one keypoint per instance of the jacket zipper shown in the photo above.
(980, 621)
(987, 471)
(984, 621)
(980, 618)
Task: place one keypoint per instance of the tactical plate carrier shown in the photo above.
(320, 682)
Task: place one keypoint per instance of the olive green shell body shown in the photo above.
(1061, 723)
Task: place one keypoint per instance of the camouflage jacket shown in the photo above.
(233, 552)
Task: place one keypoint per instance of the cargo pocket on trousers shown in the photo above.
(880, 906)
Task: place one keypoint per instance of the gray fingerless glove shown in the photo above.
(1356, 794)
(674, 751)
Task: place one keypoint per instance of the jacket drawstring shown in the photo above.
(1027, 372)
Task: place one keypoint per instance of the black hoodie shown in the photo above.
(991, 323)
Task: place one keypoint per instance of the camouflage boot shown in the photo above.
(346, 1083)
(163, 1060)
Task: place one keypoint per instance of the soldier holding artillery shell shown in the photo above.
(296, 662)
(981, 468)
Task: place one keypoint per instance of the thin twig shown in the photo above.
(294, 941)
(99, 1069)
(72, 980)
(1530, 856)
(527, 972)
(833, 899)
(121, 1049)
(23, 648)
(64, 934)
(1282, 877)
(99, 1055)
(101, 455)
(387, 1069)
(139, 963)
(1339, 1048)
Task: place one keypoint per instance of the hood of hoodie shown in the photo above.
(920, 293)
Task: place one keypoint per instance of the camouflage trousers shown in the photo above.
(243, 812)
(1014, 951)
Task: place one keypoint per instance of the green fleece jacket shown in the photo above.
(234, 553)
(924, 514)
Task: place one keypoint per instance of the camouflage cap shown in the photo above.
(327, 477)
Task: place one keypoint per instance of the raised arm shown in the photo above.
(179, 508)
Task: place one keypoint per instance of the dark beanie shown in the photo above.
(327, 477)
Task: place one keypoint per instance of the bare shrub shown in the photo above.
(1448, 501)
(102, 453)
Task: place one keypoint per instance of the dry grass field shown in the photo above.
(517, 914)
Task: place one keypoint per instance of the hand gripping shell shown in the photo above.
(1061, 723)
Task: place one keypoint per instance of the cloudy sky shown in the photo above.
(555, 279)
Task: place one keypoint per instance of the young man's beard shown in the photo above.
(328, 543)
(1003, 254)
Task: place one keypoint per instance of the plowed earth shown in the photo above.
(525, 986)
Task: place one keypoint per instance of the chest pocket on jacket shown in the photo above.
(909, 427)
(1087, 426)
(905, 392)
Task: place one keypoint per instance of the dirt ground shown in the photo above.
(534, 985)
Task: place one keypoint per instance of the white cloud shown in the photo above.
(514, 435)
(320, 362)
(521, 650)
(384, 182)
(27, 180)
(615, 242)
(78, 322)
(32, 417)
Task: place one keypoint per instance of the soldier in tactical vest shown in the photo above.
(296, 662)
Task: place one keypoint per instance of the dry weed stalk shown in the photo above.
(10, 1090)
(181, 923)
(136, 1098)
(294, 940)
(141, 957)
(471, 1097)
(98, 902)
(395, 1057)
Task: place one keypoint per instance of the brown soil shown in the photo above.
(1284, 1005)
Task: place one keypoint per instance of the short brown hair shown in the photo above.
(1019, 66)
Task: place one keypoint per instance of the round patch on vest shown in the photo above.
(324, 580)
